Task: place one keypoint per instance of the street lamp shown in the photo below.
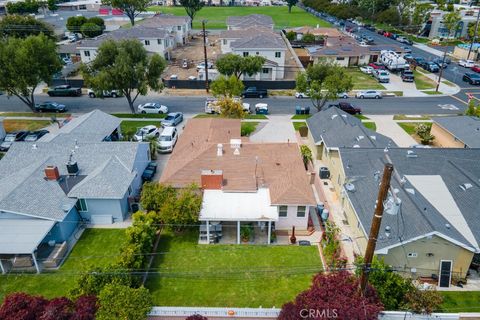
(205, 54)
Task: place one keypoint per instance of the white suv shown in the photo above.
(167, 139)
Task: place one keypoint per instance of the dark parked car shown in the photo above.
(407, 76)
(253, 92)
(408, 57)
(472, 78)
(418, 60)
(347, 107)
(148, 174)
(11, 137)
(407, 49)
(50, 106)
(35, 135)
(369, 27)
(439, 62)
(64, 91)
(430, 66)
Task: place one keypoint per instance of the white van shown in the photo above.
(167, 139)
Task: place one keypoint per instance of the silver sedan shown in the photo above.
(369, 94)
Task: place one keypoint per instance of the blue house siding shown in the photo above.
(63, 230)
(141, 162)
(105, 207)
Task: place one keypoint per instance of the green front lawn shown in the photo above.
(189, 274)
(34, 114)
(248, 116)
(248, 127)
(423, 82)
(370, 125)
(298, 124)
(455, 301)
(301, 116)
(409, 117)
(130, 127)
(410, 127)
(361, 117)
(96, 247)
(139, 115)
(432, 92)
(363, 81)
(217, 16)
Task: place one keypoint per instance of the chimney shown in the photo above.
(312, 177)
(219, 150)
(212, 179)
(51, 173)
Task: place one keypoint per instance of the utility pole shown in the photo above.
(441, 68)
(205, 55)
(376, 221)
(474, 34)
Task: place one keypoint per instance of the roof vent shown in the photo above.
(466, 186)
(236, 152)
(72, 168)
(350, 187)
(373, 137)
(34, 146)
(410, 190)
(334, 116)
(235, 143)
(360, 138)
(447, 225)
(344, 115)
(411, 154)
(65, 208)
(356, 146)
(219, 150)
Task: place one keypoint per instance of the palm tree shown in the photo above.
(153, 147)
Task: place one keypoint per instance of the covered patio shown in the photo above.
(233, 217)
(19, 240)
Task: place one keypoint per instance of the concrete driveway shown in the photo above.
(277, 129)
(388, 127)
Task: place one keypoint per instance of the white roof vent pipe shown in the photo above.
(219, 150)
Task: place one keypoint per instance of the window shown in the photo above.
(278, 54)
(301, 211)
(179, 28)
(129, 190)
(86, 53)
(82, 205)
(265, 70)
(282, 211)
(245, 54)
(340, 58)
(159, 41)
(147, 42)
(224, 41)
(412, 255)
(257, 53)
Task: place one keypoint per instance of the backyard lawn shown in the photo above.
(130, 127)
(14, 124)
(217, 16)
(362, 81)
(96, 247)
(189, 274)
(454, 301)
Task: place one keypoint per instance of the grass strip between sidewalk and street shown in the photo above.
(139, 115)
(24, 124)
(422, 82)
(35, 114)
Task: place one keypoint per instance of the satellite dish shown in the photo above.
(350, 187)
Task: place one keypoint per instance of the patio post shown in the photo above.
(1, 267)
(238, 232)
(269, 231)
(208, 232)
(35, 262)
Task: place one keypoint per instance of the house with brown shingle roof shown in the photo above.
(242, 182)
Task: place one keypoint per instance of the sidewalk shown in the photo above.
(428, 49)
(388, 127)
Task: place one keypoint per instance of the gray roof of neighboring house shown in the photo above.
(260, 41)
(464, 128)
(250, 20)
(160, 20)
(137, 32)
(106, 170)
(336, 129)
(243, 33)
(437, 206)
(90, 127)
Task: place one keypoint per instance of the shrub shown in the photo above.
(306, 155)
(90, 30)
(308, 38)
(196, 317)
(291, 35)
(303, 130)
(423, 131)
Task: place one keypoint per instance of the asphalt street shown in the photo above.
(277, 105)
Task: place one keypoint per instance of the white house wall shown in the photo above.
(269, 55)
(286, 223)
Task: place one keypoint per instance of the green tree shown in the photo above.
(232, 64)
(131, 8)
(290, 4)
(92, 281)
(471, 109)
(75, 23)
(18, 26)
(25, 63)
(423, 131)
(183, 210)
(91, 30)
(423, 301)
(306, 155)
(98, 21)
(192, 7)
(230, 108)
(52, 5)
(308, 38)
(23, 7)
(451, 22)
(122, 302)
(391, 287)
(227, 87)
(323, 81)
(154, 195)
(291, 35)
(421, 14)
(125, 66)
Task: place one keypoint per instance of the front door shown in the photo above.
(445, 273)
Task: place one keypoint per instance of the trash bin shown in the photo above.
(324, 173)
(324, 215)
(320, 207)
(302, 110)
